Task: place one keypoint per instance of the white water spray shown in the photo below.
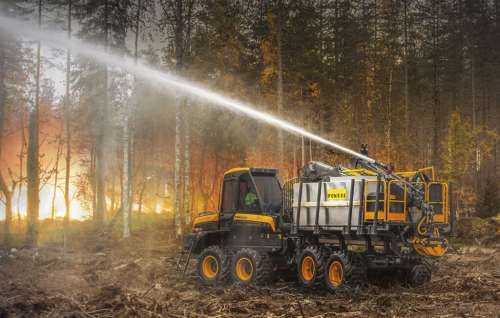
(58, 39)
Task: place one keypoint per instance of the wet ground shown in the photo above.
(137, 278)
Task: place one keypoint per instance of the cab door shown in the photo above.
(253, 223)
(229, 201)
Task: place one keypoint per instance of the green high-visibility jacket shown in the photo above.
(250, 199)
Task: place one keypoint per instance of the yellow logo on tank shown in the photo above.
(336, 194)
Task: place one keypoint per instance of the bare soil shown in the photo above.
(137, 278)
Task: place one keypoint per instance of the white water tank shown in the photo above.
(333, 204)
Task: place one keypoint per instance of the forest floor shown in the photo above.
(137, 277)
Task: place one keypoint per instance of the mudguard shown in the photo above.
(198, 241)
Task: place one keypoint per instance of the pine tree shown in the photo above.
(7, 194)
(32, 168)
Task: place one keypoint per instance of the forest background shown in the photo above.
(414, 79)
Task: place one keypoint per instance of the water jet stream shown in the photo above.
(60, 40)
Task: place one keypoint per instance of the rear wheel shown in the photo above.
(250, 267)
(419, 275)
(310, 267)
(338, 271)
(213, 265)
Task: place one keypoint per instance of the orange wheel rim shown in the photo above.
(210, 267)
(244, 269)
(308, 268)
(335, 273)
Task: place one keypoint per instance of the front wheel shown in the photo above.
(213, 265)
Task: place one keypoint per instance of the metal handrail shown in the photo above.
(390, 200)
(377, 200)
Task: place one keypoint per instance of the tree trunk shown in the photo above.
(280, 83)
(201, 175)
(8, 216)
(141, 197)
(56, 174)
(101, 138)
(303, 152)
(33, 153)
(3, 185)
(436, 110)
(179, 52)
(21, 164)
(294, 165)
(92, 170)
(187, 168)
(8, 205)
(177, 169)
(310, 150)
(67, 124)
(405, 55)
(125, 179)
(477, 158)
(127, 144)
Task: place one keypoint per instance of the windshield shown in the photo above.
(270, 192)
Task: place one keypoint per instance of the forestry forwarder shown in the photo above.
(322, 225)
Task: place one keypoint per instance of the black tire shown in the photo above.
(213, 265)
(310, 267)
(419, 275)
(338, 270)
(250, 267)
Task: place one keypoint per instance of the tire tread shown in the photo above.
(317, 254)
(223, 255)
(347, 269)
(263, 266)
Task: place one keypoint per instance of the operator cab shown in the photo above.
(250, 190)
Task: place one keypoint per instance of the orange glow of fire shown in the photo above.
(45, 211)
(158, 208)
(46, 196)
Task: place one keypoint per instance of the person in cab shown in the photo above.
(251, 200)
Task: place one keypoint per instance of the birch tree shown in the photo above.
(178, 15)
